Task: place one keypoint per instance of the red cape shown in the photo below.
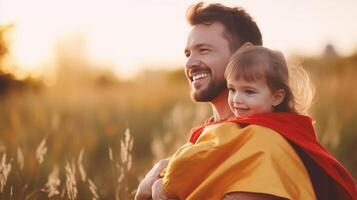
(329, 178)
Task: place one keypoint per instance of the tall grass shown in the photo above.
(85, 141)
(335, 107)
(74, 142)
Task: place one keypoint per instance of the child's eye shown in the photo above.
(231, 89)
(250, 91)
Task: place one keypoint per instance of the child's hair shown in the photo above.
(258, 62)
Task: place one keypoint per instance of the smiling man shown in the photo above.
(207, 53)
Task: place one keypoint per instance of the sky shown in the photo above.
(130, 35)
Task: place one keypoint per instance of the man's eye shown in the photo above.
(203, 51)
(187, 54)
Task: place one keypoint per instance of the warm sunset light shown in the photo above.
(129, 35)
(93, 93)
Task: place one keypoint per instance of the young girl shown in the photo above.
(267, 148)
(258, 82)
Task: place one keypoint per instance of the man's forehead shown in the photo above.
(203, 34)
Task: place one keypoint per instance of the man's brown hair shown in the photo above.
(239, 25)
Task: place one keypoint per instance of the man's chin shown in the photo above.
(199, 99)
(208, 93)
(201, 96)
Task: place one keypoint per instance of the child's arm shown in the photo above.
(158, 192)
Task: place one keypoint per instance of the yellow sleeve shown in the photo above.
(227, 158)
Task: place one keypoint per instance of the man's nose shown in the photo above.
(192, 61)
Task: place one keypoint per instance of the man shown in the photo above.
(217, 32)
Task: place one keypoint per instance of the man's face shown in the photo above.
(207, 53)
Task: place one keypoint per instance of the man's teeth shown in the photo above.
(199, 76)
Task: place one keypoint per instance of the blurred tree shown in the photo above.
(4, 45)
(75, 68)
(106, 78)
(5, 78)
(330, 51)
(8, 82)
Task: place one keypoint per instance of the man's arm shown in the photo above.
(158, 193)
(144, 189)
(250, 196)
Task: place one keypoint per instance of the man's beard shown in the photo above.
(209, 93)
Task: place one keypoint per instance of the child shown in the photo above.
(267, 148)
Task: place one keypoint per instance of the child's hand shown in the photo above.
(158, 192)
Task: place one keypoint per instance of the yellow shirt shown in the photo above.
(228, 158)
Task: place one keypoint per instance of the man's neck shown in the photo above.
(220, 107)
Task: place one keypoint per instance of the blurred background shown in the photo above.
(93, 93)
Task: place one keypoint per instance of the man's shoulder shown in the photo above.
(254, 131)
(259, 137)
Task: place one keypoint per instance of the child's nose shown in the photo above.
(238, 98)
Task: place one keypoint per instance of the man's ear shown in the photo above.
(279, 96)
(247, 44)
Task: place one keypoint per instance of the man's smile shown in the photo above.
(199, 76)
(199, 79)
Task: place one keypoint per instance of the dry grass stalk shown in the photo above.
(71, 184)
(20, 159)
(5, 169)
(110, 154)
(11, 192)
(158, 148)
(93, 189)
(126, 146)
(121, 174)
(53, 182)
(82, 172)
(41, 151)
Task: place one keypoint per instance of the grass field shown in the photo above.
(76, 140)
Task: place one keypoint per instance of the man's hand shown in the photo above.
(157, 191)
(250, 196)
(144, 189)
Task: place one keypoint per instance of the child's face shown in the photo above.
(248, 98)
